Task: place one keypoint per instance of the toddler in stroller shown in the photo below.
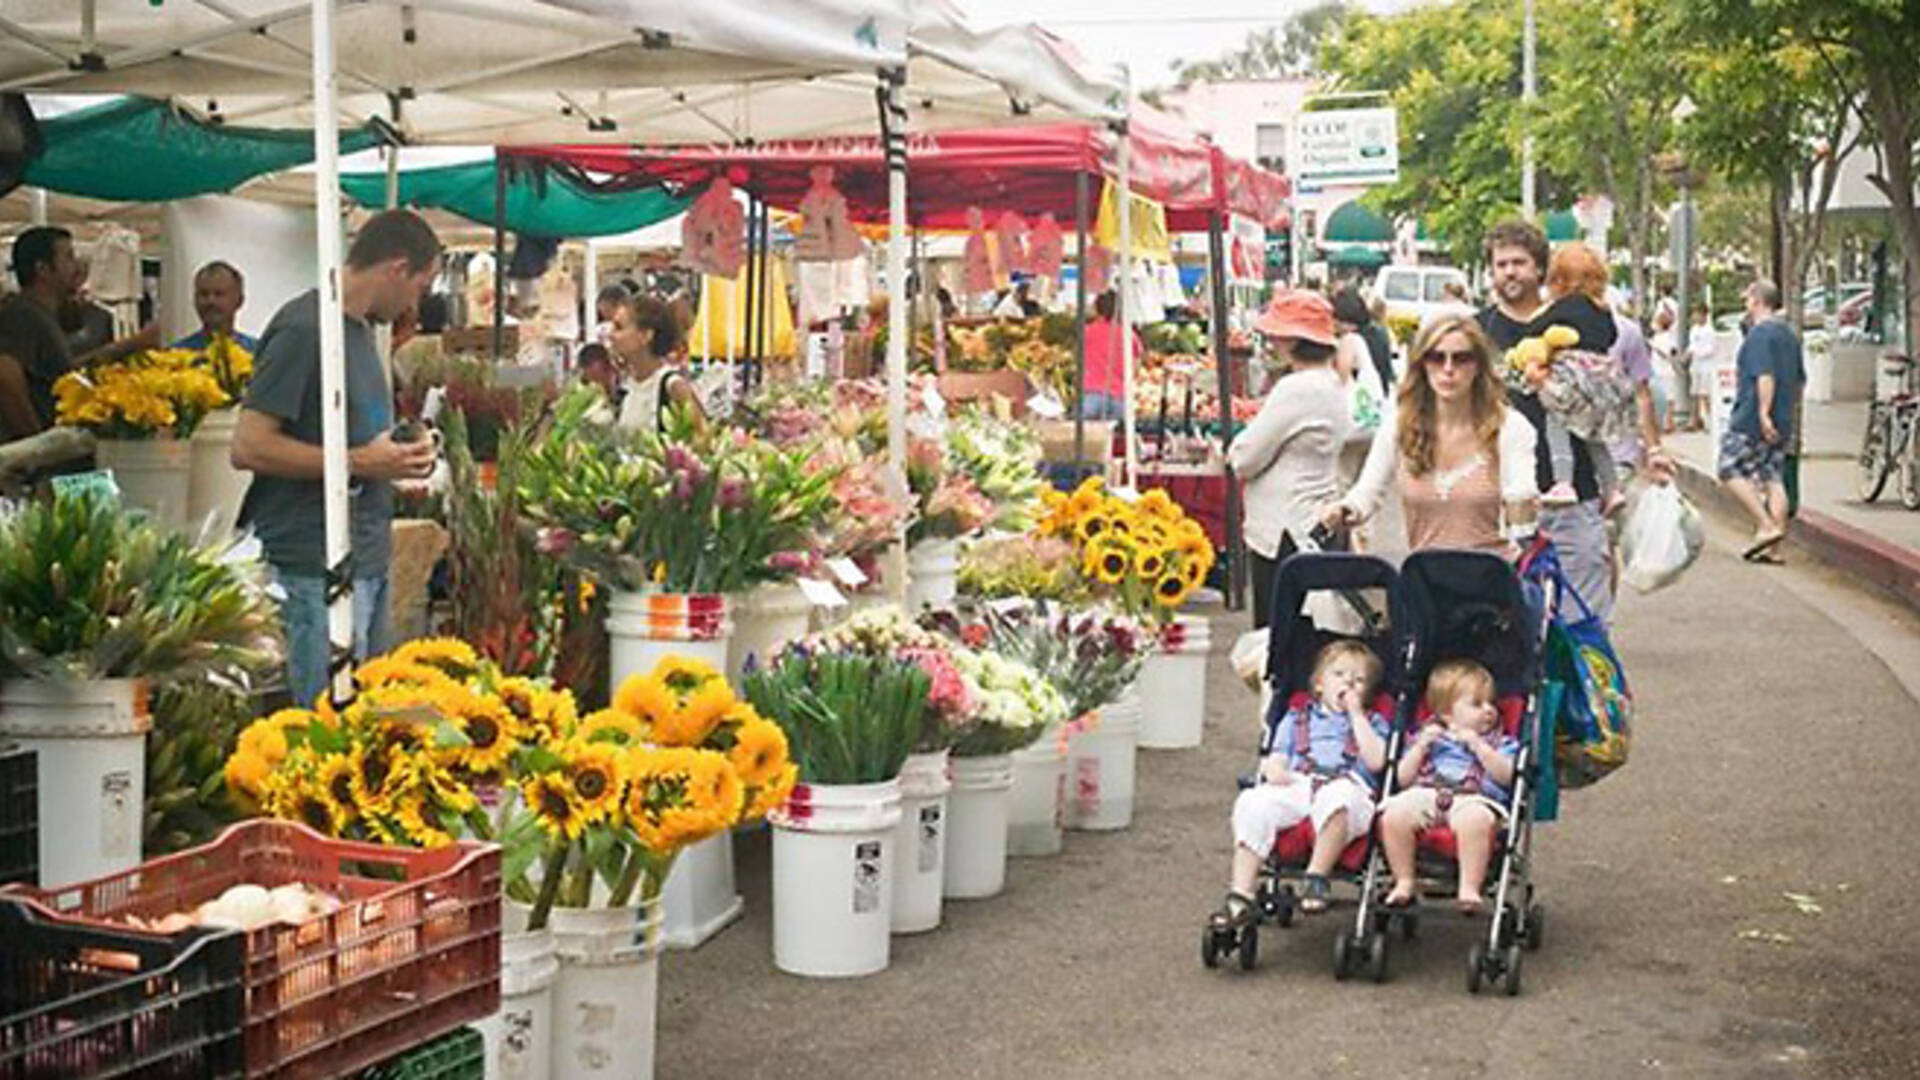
(1306, 814)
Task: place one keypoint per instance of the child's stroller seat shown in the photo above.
(1437, 844)
(1294, 845)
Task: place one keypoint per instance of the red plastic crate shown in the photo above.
(413, 953)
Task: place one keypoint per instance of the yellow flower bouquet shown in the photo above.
(152, 394)
(1146, 553)
(437, 736)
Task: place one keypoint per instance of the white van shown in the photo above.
(1420, 291)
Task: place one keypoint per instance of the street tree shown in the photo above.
(1284, 51)
(1452, 72)
(1610, 78)
(1880, 39)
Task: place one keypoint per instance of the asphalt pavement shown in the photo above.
(1740, 901)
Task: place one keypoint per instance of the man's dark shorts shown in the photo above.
(1751, 458)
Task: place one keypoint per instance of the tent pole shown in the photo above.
(590, 290)
(1124, 307)
(1080, 328)
(499, 256)
(764, 325)
(36, 206)
(749, 338)
(893, 123)
(333, 358)
(1217, 275)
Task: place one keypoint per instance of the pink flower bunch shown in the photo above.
(955, 508)
(950, 696)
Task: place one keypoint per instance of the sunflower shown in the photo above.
(374, 779)
(422, 774)
(419, 819)
(1092, 526)
(551, 799)
(1109, 562)
(491, 734)
(1172, 591)
(759, 751)
(336, 785)
(1157, 504)
(1121, 523)
(646, 697)
(394, 671)
(715, 787)
(597, 773)
(697, 715)
(451, 656)
(683, 674)
(305, 800)
(611, 725)
(539, 710)
(1085, 499)
(265, 740)
(247, 774)
(1148, 562)
(774, 795)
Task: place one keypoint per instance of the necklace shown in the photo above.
(1445, 482)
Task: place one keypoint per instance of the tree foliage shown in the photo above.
(1275, 52)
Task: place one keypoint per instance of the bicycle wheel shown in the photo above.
(1875, 463)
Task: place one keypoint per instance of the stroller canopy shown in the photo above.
(1466, 605)
(1293, 641)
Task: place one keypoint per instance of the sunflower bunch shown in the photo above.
(149, 394)
(433, 729)
(1146, 554)
(230, 364)
(676, 758)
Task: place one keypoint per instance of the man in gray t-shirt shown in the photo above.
(278, 438)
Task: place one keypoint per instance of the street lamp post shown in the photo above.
(1529, 90)
(1676, 165)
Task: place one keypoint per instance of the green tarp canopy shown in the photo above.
(1353, 223)
(138, 150)
(1561, 226)
(541, 202)
(1357, 255)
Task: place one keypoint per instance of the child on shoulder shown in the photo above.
(1583, 388)
(1321, 761)
(1458, 772)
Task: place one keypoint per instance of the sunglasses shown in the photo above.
(1440, 359)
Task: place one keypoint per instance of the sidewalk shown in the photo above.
(1878, 543)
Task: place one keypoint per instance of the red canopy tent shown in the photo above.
(1032, 170)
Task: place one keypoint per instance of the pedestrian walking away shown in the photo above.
(1753, 451)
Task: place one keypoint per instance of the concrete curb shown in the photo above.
(1869, 559)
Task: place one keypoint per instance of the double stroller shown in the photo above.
(1439, 606)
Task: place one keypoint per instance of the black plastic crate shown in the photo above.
(458, 1055)
(85, 1001)
(19, 816)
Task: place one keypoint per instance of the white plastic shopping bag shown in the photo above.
(1661, 538)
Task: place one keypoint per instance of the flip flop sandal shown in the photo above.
(1235, 914)
(1403, 903)
(1768, 558)
(1761, 545)
(1470, 908)
(1314, 894)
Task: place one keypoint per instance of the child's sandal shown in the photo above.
(1235, 913)
(1315, 894)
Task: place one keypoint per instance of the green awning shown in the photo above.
(543, 202)
(1561, 226)
(137, 150)
(1353, 223)
(1357, 255)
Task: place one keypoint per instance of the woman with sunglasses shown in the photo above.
(1462, 461)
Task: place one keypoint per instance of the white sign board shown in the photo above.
(1345, 147)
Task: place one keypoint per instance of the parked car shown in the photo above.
(1420, 291)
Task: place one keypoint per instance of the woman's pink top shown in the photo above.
(1454, 508)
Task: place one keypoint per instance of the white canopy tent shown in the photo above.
(505, 72)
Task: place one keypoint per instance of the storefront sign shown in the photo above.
(1346, 147)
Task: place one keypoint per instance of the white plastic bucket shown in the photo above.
(933, 567)
(607, 995)
(152, 475)
(833, 878)
(1035, 809)
(1100, 767)
(699, 898)
(977, 826)
(765, 619)
(214, 486)
(519, 1038)
(1173, 689)
(920, 846)
(92, 738)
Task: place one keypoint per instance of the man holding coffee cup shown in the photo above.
(390, 264)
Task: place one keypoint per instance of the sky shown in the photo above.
(1149, 35)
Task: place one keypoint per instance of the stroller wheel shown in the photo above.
(1409, 927)
(1283, 906)
(1510, 979)
(1476, 966)
(1377, 956)
(1536, 932)
(1342, 956)
(1249, 947)
(1209, 947)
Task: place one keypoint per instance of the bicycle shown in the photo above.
(1890, 441)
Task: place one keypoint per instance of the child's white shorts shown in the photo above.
(1263, 811)
(1425, 802)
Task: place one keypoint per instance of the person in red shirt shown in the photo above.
(1104, 394)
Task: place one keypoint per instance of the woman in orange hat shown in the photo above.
(1288, 457)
